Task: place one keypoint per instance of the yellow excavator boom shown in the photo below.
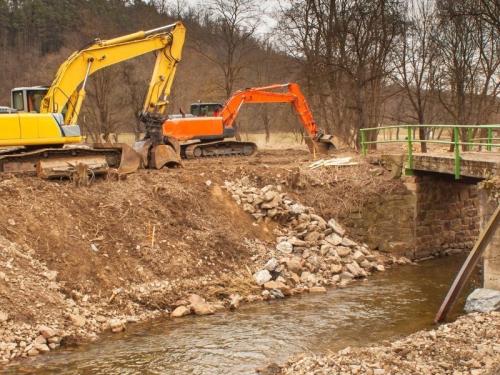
(167, 40)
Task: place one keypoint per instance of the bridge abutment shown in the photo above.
(434, 215)
(447, 215)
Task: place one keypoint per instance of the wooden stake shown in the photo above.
(467, 268)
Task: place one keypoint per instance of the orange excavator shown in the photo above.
(203, 132)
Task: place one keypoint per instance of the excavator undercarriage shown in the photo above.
(50, 162)
(217, 149)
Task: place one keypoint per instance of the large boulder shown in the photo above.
(483, 300)
(336, 227)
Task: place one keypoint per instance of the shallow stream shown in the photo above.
(388, 305)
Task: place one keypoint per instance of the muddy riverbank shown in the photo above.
(386, 306)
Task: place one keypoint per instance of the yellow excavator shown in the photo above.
(40, 132)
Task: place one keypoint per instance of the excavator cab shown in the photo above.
(28, 99)
(206, 109)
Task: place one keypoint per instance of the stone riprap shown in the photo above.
(310, 251)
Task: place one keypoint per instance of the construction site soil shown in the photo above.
(78, 260)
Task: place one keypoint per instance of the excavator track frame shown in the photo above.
(119, 156)
(221, 148)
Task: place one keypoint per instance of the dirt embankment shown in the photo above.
(75, 261)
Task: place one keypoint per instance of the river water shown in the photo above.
(388, 305)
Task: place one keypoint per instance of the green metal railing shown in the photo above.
(456, 140)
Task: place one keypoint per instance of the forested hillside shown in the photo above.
(362, 63)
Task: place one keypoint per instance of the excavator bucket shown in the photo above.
(164, 156)
(130, 161)
(321, 145)
(159, 156)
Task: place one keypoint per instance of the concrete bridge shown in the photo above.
(479, 165)
(444, 207)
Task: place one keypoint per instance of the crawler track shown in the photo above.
(217, 149)
(19, 161)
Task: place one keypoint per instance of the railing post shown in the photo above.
(363, 142)
(410, 148)
(490, 139)
(456, 141)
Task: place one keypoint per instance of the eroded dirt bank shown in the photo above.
(76, 261)
(470, 345)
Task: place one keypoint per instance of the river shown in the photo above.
(388, 305)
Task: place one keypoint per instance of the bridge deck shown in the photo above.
(473, 164)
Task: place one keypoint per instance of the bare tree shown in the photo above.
(233, 24)
(137, 89)
(174, 8)
(416, 59)
(469, 63)
(348, 42)
(102, 117)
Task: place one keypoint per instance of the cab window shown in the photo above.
(17, 100)
(35, 100)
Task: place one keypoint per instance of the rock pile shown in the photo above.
(471, 345)
(310, 251)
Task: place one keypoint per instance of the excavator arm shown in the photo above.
(65, 92)
(266, 94)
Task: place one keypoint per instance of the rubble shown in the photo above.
(310, 252)
(470, 345)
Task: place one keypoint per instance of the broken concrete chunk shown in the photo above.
(275, 285)
(343, 251)
(297, 209)
(296, 242)
(347, 242)
(294, 264)
(336, 227)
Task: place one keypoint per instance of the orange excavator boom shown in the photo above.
(266, 94)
